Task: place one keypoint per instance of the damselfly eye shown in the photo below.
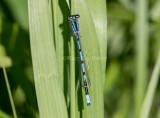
(69, 17)
(77, 16)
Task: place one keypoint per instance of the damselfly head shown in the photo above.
(73, 17)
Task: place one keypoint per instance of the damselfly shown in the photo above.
(73, 19)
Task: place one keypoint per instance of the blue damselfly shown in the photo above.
(73, 20)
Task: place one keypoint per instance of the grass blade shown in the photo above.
(9, 92)
(141, 49)
(98, 11)
(49, 91)
(146, 107)
(91, 50)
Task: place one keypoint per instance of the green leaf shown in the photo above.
(141, 53)
(147, 104)
(19, 11)
(49, 92)
(4, 115)
(91, 50)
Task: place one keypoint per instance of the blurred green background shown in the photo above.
(122, 55)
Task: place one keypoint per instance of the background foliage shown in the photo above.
(120, 85)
